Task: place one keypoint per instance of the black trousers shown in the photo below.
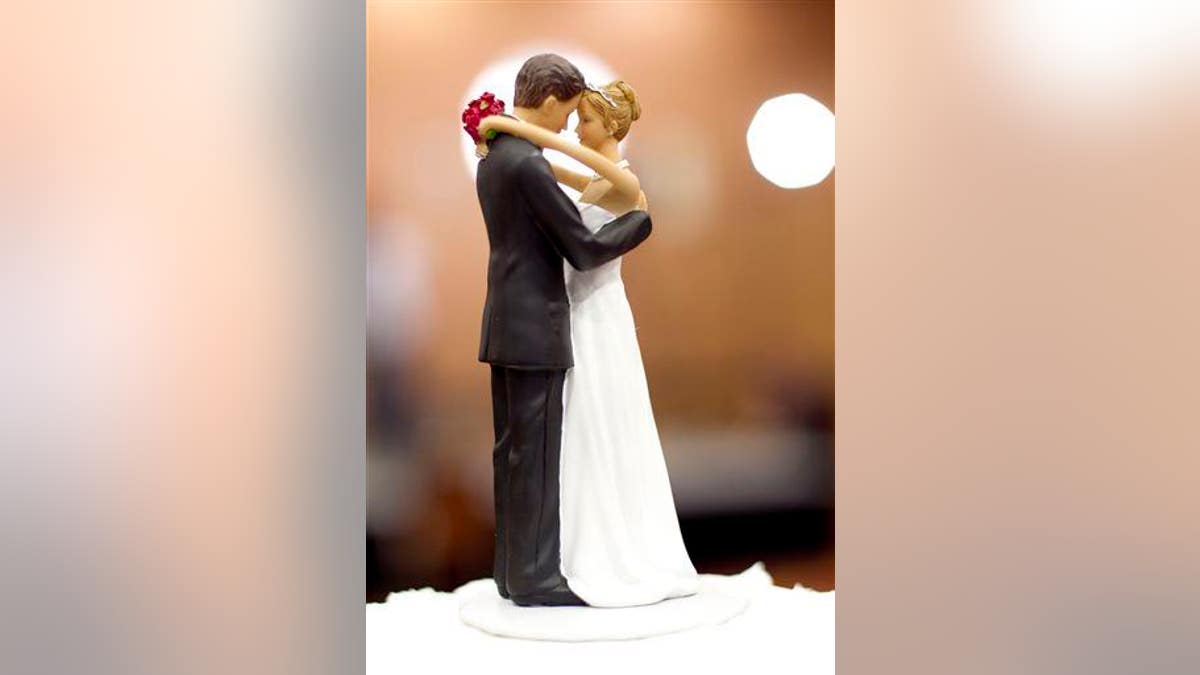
(527, 414)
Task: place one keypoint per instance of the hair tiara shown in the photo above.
(592, 87)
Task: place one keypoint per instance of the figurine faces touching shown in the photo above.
(551, 115)
(561, 110)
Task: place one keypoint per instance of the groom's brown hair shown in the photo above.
(545, 75)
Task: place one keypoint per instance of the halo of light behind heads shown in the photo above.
(500, 76)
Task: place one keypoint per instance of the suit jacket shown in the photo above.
(532, 227)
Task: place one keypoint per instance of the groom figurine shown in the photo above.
(532, 227)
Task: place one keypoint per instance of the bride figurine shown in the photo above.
(621, 544)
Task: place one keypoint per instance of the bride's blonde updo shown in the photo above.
(626, 111)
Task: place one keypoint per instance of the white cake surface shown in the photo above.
(738, 623)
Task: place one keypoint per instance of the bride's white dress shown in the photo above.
(621, 544)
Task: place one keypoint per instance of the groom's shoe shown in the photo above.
(560, 596)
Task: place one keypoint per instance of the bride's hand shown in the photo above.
(642, 205)
(485, 125)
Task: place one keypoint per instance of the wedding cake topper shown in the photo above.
(584, 510)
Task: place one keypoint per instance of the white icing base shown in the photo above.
(765, 628)
(482, 607)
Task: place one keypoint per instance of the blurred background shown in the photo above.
(733, 293)
(181, 209)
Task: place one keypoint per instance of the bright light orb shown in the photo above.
(499, 78)
(791, 141)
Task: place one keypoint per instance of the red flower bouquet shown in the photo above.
(478, 109)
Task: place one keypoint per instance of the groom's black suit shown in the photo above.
(532, 227)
